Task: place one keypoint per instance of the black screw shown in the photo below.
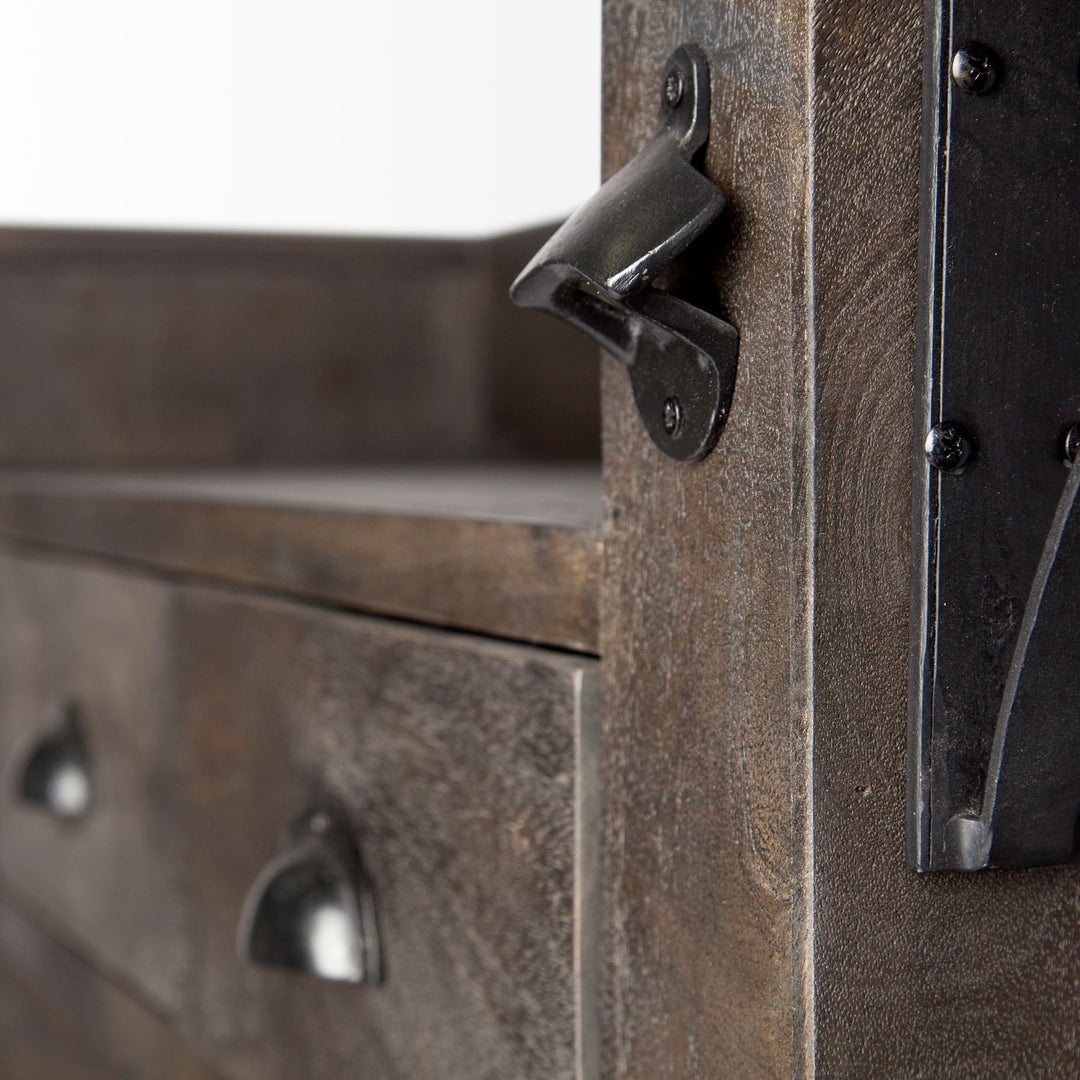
(948, 447)
(672, 416)
(974, 68)
(673, 88)
(1070, 444)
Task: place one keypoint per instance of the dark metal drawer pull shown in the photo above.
(56, 775)
(597, 273)
(311, 908)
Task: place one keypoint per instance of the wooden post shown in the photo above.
(760, 920)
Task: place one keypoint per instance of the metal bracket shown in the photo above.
(597, 272)
(994, 744)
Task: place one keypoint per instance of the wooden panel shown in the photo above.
(59, 1020)
(216, 719)
(454, 761)
(158, 349)
(704, 606)
(761, 918)
(512, 552)
(950, 975)
(111, 879)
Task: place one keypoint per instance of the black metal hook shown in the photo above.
(597, 271)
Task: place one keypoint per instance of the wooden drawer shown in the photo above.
(101, 640)
(451, 759)
(60, 1020)
(454, 762)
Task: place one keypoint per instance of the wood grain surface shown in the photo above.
(111, 879)
(128, 348)
(703, 613)
(760, 916)
(453, 761)
(510, 552)
(214, 720)
(60, 1020)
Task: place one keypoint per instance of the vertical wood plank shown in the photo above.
(703, 628)
(588, 836)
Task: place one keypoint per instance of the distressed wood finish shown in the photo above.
(61, 1021)
(703, 610)
(454, 762)
(213, 721)
(511, 552)
(761, 918)
(111, 880)
(128, 349)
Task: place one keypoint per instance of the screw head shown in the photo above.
(974, 68)
(672, 416)
(1070, 445)
(948, 447)
(673, 87)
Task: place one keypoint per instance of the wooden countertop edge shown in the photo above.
(529, 582)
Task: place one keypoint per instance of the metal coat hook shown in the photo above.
(597, 273)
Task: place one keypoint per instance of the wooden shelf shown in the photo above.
(508, 551)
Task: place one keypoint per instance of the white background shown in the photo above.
(345, 116)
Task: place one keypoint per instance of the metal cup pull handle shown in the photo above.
(311, 908)
(56, 775)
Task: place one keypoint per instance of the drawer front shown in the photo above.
(453, 762)
(217, 720)
(100, 641)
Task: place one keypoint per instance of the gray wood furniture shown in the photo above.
(197, 654)
(213, 718)
(625, 770)
(760, 916)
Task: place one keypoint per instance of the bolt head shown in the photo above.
(672, 416)
(974, 68)
(948, 447)
(1070, 444)
(967, 842)
(673, 87)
